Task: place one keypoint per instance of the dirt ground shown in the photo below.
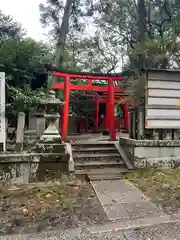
(161, 186)
(34, 208)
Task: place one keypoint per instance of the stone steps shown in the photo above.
(99, 164)
(98, 161)
(97, 155)
(92, 145)
(94, 150)
(106, 174)
(102, 173)
(102, 177)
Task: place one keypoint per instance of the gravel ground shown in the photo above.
(169, 231)
(159, 232)
(66, 236)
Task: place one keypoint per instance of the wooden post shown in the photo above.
(141, 121)
(65, 113)
(20, 132)
(111, 110)
(126, 117)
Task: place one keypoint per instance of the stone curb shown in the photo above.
(132, 224)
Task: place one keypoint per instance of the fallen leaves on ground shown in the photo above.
(161, 185)
(35, 200)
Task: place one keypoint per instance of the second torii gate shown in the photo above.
(110, 89)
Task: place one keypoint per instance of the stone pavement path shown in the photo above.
(132, 215)
(123, 201)
(129, 209)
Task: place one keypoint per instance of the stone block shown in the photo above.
(159, 153)
(54, 158)
(20, 132)
(40, 126)
(50, 148)
(146, 152)
(1, 146)
(31, 167)
(32, 121)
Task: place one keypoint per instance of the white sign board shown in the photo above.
(2, 112)
(163, 99)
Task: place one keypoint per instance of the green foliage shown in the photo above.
(120, 23)
(119, 110)
(9, 29)
(21, 58)
(53, 12)
(23, 100)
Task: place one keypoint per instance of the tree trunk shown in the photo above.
(141, 24)
(141, 19)
(62, 35)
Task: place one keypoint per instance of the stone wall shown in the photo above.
(160, 153)
(32, 167)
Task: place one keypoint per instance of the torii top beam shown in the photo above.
(89, 86)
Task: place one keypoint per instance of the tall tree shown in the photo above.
(9, 29)
(60, 17)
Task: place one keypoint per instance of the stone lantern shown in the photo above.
(52, 107)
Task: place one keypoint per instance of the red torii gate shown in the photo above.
(111, 89)
(120, 99)
(97, 99)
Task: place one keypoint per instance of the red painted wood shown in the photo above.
(90, 84)
(66, 107)
(110, 99)
(111, 110)
(86, 88)
(59, 74)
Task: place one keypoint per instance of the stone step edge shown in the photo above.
(93, 142)
(94, 149)
(96, 155)
(108, 171)
(99, 163)
(95, 178)
(124, 156)
(125, 225)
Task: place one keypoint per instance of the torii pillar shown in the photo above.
(65, 111)
(111, 111)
